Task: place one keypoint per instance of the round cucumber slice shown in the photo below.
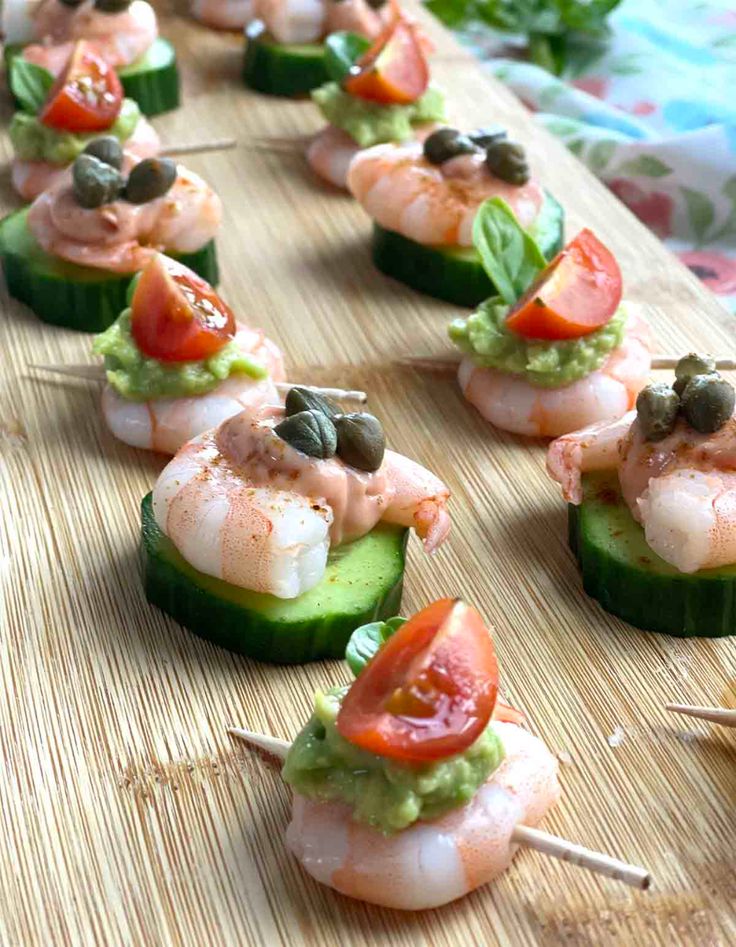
(622, 572)
(64, 294)
(456, 274)
(363, 583)
(281, 68)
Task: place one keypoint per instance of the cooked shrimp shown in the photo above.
(31, 178)
(243, 505)
(356, 16)
(166, 424)
(430, 863)
(309, 21)
(432, 204)
(119, 38)
(122, 237)
(224, 14)
(513, 404)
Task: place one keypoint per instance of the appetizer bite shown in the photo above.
(556, 349)
(424, 198)
(282, 530)
(57, 124)
(223, 14)
(71, 255)
(122, 33)
(652, 499)
(177, 363)
(285, 51)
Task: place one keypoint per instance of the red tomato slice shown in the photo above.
(177, 316)
(394, 70)
(429, 692)
(86, 96)
(576, 294)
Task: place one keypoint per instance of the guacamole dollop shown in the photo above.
(34, 141)
(138, 378)
(484, 337)
(370, 123)
(385, 794)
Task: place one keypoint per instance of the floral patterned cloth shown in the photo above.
(653, 114)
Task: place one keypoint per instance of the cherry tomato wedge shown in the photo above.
(575, 294)
(429, 692)
(176, 315)
(86, 96)
(394, 70)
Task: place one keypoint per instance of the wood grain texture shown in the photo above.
(128, 815)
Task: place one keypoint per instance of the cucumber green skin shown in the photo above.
(153, 81)
(455, 274)
(67, 295)
(629, 580)
(266, 628)
(281, 69)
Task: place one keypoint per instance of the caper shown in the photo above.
(303, 399)
(507, 160)
(689, 366)
(361, 442)
(72, 3)
(708, 402)
(447, 143)
(376, 4)
(107, 149)
(95, 183)
(149, 179)
(483, 137)
(112, 6)
(656, 407)
(310, 432)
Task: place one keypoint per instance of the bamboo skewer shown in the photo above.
(524, 835)
(447, 364)
(723, 715)
(97, 373)
(199, 148)
(286, 144)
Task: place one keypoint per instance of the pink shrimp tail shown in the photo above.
(432, 523)
(564, 464)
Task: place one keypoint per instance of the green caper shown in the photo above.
(107, 149)
(656, 407)
(691, 365)
(112, 6)
(361, 442)
(149, 179)
(72, 3)
(507, 160)
(483, 137)
(708, 402)
(95, 183)
(303, 399)
(310, 432)
(447, 143)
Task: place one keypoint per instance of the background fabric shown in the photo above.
(653, 114)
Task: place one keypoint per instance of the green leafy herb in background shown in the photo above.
(552, 28)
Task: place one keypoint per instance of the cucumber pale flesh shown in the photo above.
(363, 583)
(631, 581)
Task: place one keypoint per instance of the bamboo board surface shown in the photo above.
(128, 816)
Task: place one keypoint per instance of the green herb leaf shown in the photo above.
(510, 256)
(342, 50)
(30, 84)
(367, 640)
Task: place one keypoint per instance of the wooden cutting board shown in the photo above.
(128, 815)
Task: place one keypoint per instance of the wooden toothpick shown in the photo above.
(285, 144)
(447, 364)
(196, 148)
(723, 715)
(97, 373)
(524, 835)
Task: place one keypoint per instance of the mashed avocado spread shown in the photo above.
(385, 794)
(34, 141)
(370, 123)
(484, 337)
(138, 378)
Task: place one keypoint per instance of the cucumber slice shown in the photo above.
(280, 68)
(363, 583)
(153, 80)
(631, 581)
(455, 274)
(64, 294)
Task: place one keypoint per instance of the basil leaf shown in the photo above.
(30, 84)
(366, 641)
(341, 52)
(510, 256)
